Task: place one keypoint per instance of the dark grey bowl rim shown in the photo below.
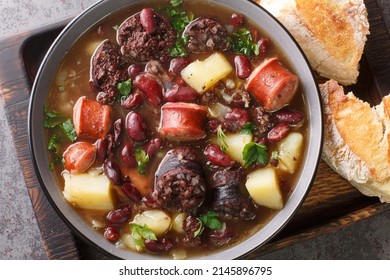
(39, 154)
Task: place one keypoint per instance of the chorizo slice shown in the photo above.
(182, 121)
(79, 156)
(92, 119)
(272, 84)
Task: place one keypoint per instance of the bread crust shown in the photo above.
(332, 33)
(356, 140)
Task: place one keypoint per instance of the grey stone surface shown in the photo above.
(19, 233)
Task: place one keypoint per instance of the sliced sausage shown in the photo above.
(179, 181)
(272, 84)
(108, 69)
(79, 156)
(92, 119)
(139, 44)
(206, 34)
(229, 202)
(182, 121)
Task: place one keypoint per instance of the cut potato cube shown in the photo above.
(156, 220)
(263, 187)
(87, 191)
(202, 75)
(235, 145)
(290, 150)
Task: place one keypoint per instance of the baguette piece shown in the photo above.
(332, 33)
(356, 140)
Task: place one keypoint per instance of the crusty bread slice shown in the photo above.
(356, 140)
(332, 33)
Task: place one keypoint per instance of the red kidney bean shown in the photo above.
(263, 45)
(243, 66)
(157, 246)
(237, 20)
(117, 132)
(119, 216)
(278, 133)
(113, 172)
(136, 126)
(154, 67)
(151, 86)
(150, 202)
(133, 100)
(178, 64)
(181, 94)
(130, 191)
(212, 125)
(289, 116)
(111, 234)
(101, 150)
(134, 70)
(153, 146)
(147, 20)
(235, 119)
(221, 237)
(217, 157)
(110, 144)
(127, 155)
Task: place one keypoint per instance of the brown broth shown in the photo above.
(72, 82)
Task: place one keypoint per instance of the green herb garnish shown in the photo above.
(242, 42)
(124, 89)
(61, 126)
(54, 143)
(51, 118)
(115, 27)
(275, 155)
(61, 88)
(179, 20)
(68, 129)
(140, 233)
(254, 153)
(179, 49)
(142, 159)
(210, 220)
(222, 139)
(248, 128)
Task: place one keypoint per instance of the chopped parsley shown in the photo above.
(254, 153)
(124, 89)
(179, 20)
(222, 139)
(248, 128)
(68, 129)
(242, 42)
(142, 159)
(210, 220)
(62, 128)
(140, 233)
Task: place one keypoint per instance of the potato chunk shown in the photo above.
(235, 145)
(156, 220)
(290, 150)
(202, 75)
(87, 191)
(263, 187)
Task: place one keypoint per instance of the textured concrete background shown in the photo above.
(19, 233)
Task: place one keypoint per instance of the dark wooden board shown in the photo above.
(332, 203)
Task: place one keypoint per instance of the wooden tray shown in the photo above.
(332, 203)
